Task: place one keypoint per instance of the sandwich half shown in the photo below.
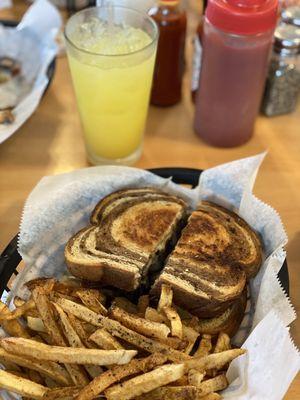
(208, 268)
(130, 232)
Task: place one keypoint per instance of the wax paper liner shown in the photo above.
(60, 205)
(32, 43)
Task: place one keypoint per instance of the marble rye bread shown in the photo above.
(128, 237)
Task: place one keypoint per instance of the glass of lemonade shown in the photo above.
(111, 52)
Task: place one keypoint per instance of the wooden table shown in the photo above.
(51, 143)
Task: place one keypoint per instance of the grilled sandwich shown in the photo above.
(208, 268)
(128, 237)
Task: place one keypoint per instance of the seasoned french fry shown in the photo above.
(145, 383)
(70, 334)
(166, 297)
(35, 376)
(195, 377)
(105, 340)
(74, 340)
(78, 327)
(50, 369)
(125, 304)
(223, 343)
(138, 340)
(108, 378)
(36, 324)
(22, 386)
(18, 312)
(188, 333)
(153, 315)
(9, 365)
(175, 321)
(43, 306)
(46, 283)
(211, 385)
(46, 312)
(81, 312)
(217, 360)
(42, 351)
(176, 393)
(90, 299)
(143, 303)
(62, 393)
(13, 327)
(205, 346)
(140, 325)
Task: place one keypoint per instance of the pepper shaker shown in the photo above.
(283, 80)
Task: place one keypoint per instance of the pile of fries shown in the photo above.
(70, 342)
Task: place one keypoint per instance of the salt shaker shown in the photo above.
(283, 81)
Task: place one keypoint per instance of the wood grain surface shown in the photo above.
(50, 142)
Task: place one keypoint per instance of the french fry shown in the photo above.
(74, 340)
(13, 327)
(50, 369)
(125, 304)
(217, 360)
(68, 330)
(62, 393)
(90, 299)
(46, 283)
(9, 365)
(195, 377)
(105, 340)
(81, 312)
(22, 386)
(18, 302)
(223, 343)
(36, 324)
(35, 376)
(108, 378)
(188, 333)
(175, 321)
(212, 385)
(143, 303)
(140, 325)
(43, 306)
(166, 297)
(71, 355)
(78, 326)
(140, 341)
(18, 312)
(177, 393)
(205, 346)
(120, 331)
(145, 383)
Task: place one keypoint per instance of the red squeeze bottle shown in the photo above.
(169, 67)
(236, 39)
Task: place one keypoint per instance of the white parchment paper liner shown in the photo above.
(32, 43)
(60, 205)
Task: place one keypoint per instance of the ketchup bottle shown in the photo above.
(237, 39)
(169, 67)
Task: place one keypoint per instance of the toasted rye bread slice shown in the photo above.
(131, 234)
(228, 322)
(207, 270)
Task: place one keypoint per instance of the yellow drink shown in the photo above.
(112, 75)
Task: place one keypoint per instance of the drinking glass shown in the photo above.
(111, 53)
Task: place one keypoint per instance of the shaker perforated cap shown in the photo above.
(243, 17)
(287, 37)
(291, 15)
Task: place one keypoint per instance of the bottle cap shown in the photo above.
(291, 15)
(243, 17)
(287, 37)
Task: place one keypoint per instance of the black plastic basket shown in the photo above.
(10, 258)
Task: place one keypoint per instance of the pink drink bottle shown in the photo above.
(237, 39)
